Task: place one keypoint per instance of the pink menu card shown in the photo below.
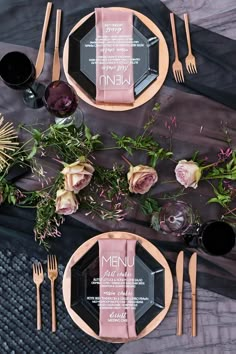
(114, 56)
(116, 289)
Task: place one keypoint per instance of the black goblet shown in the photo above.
(61, 101)
(18, 72)
(215, 237)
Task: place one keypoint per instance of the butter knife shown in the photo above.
(56, 58)
(193, 282)
(41, 53)
(180, 276)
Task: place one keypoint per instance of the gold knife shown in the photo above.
(193, 281)
(56, 58)
(41, 53)
(180, 276)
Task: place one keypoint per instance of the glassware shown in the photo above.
(214, 237)
(61, 101)
(18, 72)
(174, 217)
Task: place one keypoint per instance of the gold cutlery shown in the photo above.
(190, 60)
(177, 65)
(38, 279)
(180, 276)
(193, 282)
(41, 53)
(52, 275)
(56, 56)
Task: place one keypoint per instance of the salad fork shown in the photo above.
(38, 279)
(190, 60)
(177, 65)
(52, 275)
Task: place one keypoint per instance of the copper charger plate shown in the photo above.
(151, 249)
(149, 92)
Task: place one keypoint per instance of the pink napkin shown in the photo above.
(117, 273)
(114, 55)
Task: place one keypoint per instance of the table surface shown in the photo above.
(216, 319)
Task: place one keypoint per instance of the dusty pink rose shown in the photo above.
(77, 176)
(141, 178)
(66, 202)
(188, 173)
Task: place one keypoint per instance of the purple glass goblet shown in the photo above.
(61, 101)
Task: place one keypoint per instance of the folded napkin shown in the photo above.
(114, 55)
(116, 290)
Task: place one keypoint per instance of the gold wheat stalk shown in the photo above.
(7, 135)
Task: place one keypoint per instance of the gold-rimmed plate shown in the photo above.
(154, 77)
(151, 266)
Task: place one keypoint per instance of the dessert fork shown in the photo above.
(177, 65)
(52, 275)
(38, 279)
(190, 60)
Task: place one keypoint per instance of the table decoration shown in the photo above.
(81, 285)
(81, 185)
(147, 80)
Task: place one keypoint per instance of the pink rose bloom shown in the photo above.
(77, 176)
(66, 202)
(141, 178)
(188, 173)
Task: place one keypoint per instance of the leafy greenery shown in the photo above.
(149, 205)
(142, 143)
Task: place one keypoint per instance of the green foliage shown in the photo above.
(142, 143)
(149, 205)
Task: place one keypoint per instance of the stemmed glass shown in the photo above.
(214, 237)
(18, 72)
(61, 101)
(174, 217)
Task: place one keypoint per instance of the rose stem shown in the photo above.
(126, 160)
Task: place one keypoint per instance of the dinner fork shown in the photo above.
(190, 60)
(52, 275)
(176, 66)
(38, 279)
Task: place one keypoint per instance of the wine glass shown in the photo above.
(18, 72)
(61, 100)
(214, 237)
(174, 217)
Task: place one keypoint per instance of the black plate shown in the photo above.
(81, 69)
(146, 267)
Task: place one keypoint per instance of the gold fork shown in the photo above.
(190, 60)
(176, 66)
(38, 279)
(52, 275)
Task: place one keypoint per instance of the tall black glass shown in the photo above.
(214, 237)
(18, 72)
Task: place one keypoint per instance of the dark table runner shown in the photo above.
(199, 123)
